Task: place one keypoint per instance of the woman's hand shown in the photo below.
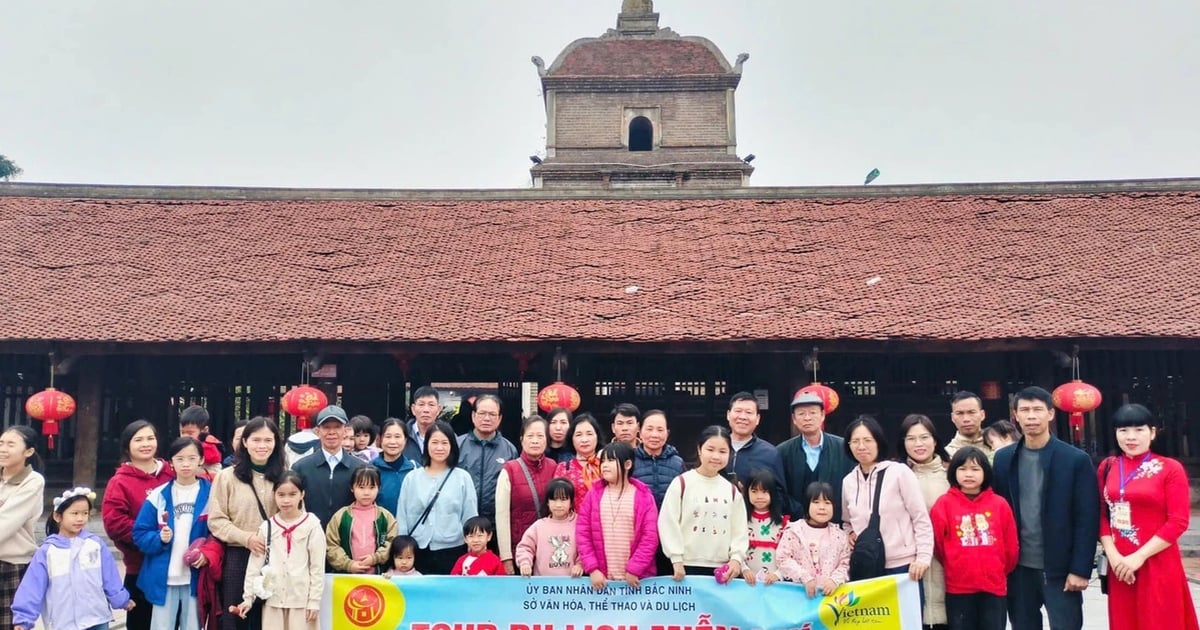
(598, 581)
(917, 570)
(677, 572)
(256, 545)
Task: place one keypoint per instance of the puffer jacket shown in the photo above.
(657, 471)
(484, 459)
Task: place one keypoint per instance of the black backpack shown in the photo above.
(867, 559)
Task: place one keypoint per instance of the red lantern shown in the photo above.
(1076, 398)
(558, 394)
(51, 407)
(304, 402)
(829, 398)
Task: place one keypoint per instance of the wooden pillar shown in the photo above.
(87, 415)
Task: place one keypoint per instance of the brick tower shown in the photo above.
(640, 107)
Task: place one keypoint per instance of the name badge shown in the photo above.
(1120, 517)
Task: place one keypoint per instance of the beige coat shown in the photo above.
(21, 502)
(299, 576)
(932, 477)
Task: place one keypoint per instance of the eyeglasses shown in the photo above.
(862, 441)
(917, 439)
(487, 414)
(185, 460)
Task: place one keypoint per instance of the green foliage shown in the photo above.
(8, 169)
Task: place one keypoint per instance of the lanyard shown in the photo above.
(1126, 479)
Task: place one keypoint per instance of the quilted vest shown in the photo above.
(522, 508)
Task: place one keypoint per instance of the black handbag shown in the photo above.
(868, 558)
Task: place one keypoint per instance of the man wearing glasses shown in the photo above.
(483, 451)
(813, 455)
(966, 411)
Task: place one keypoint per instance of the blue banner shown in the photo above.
(697, 603)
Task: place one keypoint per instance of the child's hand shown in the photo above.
(770, 579)
(310, 615)
(165, 534)
(598, 581)
(576, 570)
(827, 586)
(508, 567)
(633, 581)
(129, 606)
(240, 610)
(360, 566)
(734, 569)
(810, 588)
(526, 570)
(677, 571)
(749, 576)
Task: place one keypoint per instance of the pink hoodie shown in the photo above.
(549, 547)
(903, 521)
(590, 532)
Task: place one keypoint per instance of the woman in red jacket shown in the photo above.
(975, 538)
(140, 472)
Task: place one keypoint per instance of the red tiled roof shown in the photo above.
(953, 267)
(622, 57)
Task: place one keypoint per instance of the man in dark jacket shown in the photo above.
(483, 451)
(327, 471)
(1052, 489)
(749, 452)
(426, 408)
(814, 455)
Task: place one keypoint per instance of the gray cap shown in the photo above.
(332, 412)
(805, 398)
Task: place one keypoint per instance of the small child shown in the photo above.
(193, 423)
(358, 535)
(72, 582)
(479, 560)
(975, 537)
(548, 546)
(815, 552)
(290, 577)
(365, 433)
(764, 508)
(403, 552)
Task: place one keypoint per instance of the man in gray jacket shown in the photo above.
(483, 451)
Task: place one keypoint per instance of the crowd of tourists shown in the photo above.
(995, 525)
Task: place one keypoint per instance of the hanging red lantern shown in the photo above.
(51, 407)
(304, 402)
(1076, 398)
(829, 397)
(558, 394)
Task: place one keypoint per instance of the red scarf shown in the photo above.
(286, 532)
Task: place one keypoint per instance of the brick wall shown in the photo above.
(689, 119)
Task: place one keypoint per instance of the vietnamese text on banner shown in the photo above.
(514, 603)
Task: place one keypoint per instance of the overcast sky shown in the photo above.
(441, 94)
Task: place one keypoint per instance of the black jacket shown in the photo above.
(1070, 504)
(832, 466)
(324, 493)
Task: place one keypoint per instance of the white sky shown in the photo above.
(441, 94)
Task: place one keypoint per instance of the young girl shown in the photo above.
(73, 582)
(703, 520)
(365, 433)
(290, 576)
(975, 537)
(548, 546)
(813, 551)
(175, 516)
(615, 531)
(358, 535)
(22, 495)
(764, 507)
(479, 560)
(403, 554)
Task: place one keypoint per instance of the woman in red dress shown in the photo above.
(1145, 511)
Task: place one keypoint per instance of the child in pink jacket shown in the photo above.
(617, 528)
(813, 551)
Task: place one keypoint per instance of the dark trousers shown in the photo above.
(976, 611)
(903, 571)
(440, 562)
(1029, 590)
(139, 617)
(233, 580)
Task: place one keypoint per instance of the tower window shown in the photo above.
(641, 134)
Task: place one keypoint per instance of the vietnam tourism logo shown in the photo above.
(362, 603)
(846, 609)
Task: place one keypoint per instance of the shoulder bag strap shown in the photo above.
(267, 560)
(875, 507)
(537, 501)
(429, 506)
(262, 511)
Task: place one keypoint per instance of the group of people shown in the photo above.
(991, 530)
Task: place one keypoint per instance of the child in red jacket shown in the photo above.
(479, 560)
(975, 538)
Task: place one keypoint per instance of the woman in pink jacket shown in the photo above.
(903, 521)
(616, 531)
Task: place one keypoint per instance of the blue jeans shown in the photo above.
(181, 606)
(103, 626)
(904, 571)
(1029, 590)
